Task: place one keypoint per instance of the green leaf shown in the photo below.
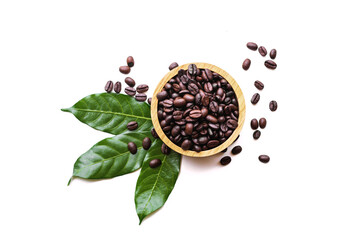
(110, 112)
(154, 185)
(111, 157)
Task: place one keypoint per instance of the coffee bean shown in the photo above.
(270, 64)
(209, 74)
(189, 98)
(140, 97)
(132, 147)
(197, 148)
(173, 65)
(130, 61)
(132, 125)
(232, 124)
(193, 88)
(142, 88)
(208, 87)
(117, 87)
(211, 119)
(146, 143)
(175, 131)
(192, 69)
(259, 85)
(130, 91)
(155, 163)
(186, 144)
(212, 143)
(130, 82)
(124, 69)
(252, 46)
(273, 106)
(214, 107)
(256, 134)
(154, 134)
(162, 95)
(179, 102)
(149, 100)
(225, 160)
(189, 127)
(205, 100)
(255, 98)
(165, 149)
(264, 158)
(236, 150)
(246, 64)
(203, 140)
(195, 114)
(109, 86)
(262, 51)
(254, 124)
(262, 123)
(273, 54)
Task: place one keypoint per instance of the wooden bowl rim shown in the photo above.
(241, 103)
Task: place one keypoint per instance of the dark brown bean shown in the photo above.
(259, 85)
(149, 100)
(130, 91)
(165, 149)
(130, 82)
(173, 65)
(124, 69)
(179, 102)
(273, 53)
(264, 158)
(193, 88)
(273, 105)
(140, 97)
(236, 150)
(189, 127)
(192, 69)
(225, 160)
(154, 134)
(252, 46)
(195, 114)
(262, 123)
(146, 143)
(270, 64)
(109, 86)
(232, 124)
(209, 74)
(246, 64)
(212, 143)
(205, 100)
(142, 88)
(130, 61)
(155, 163)
(132, 147)
(162, 95)
(214, 107)
(186, 144)
(117, 87)
(211, 119)
(262, 51)
(255, 98)
(189, 98)
(256, 134)
(132, 125)
(254, 124)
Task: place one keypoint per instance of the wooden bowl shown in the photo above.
(229, 141)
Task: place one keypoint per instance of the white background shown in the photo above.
(53, 53)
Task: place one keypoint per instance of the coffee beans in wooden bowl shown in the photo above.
(198, 109)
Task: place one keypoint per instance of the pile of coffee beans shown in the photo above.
(197, 109)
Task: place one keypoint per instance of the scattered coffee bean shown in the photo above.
(132, 125)
(130, 91)
(273, 106)
(132, 147)
(130, 82)
(252, 46)
(225, 160)
(117, 87)
(124, 69)
(256, 134)
(262, 123)
(146, 143)
(259, 85)
(149, 100)
(273, 54)
(262, 51)
(173, 65)
(255, 98)
(155, 163)
(165, 149)
(270, 64)
(236, 150)
(142, 88)
(154, 133)
(140, 97)
(254, 124)
(109, 86)
(246, 64)
(130, 61)
(264, 158)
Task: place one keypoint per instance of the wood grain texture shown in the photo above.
(229, 141)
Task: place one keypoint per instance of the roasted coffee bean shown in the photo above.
(224, 127)
(193, 88)
(262, 51)
(259, 85)
(197, 148)
(168, 103)
(154, 134)
(124, 69)
(211, 119)
(205, 100)
(252, 46)
(130, 82)
(208, 87)
(192, 69)
(221, 119)
(149, 100)
(132, 125)
(209, 74)
(175, 130)
(220, 92)
(117, 87)
(186, 144)
(189, 98)
(232, 124)
(270, 64)
(255, 98)
(264, 158)
(179, 102)
(180, 122)
(132, 147)
(140, 97)
(246, 64)
(262, 123)
(195, 114)
(212, 143)
(273, 105)
(254, 124)
(130, 61)
(214, 107)
(142, 88)
(225, 160)
(109, 86)
(177, 115)
(189, 127)
(184, 79)
(168, 86)
(256, 134)
(228, 133)
(227, 101)
(130, 91)
(161, 95)
(155, 163)
(236, 150)
(273, 54)
(165, 149)
(173, 65)
(214, 126)
(146, 143)
(203, 140)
